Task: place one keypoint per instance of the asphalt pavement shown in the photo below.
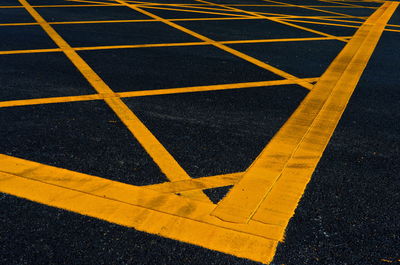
(205, 79)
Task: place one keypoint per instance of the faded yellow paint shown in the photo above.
(299, 144)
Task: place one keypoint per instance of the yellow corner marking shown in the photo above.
(143, 93)
(220, 46)
(171, 226)
(134, 206)
(168, 165)
(288, 161)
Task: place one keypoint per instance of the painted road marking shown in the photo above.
(168, 165)
(259, 224)
(299, 144)
(178, 44)
(220, 46)
(276, 20)
(154, 92)
(144, 209)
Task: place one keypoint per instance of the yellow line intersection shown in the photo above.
(250, 221)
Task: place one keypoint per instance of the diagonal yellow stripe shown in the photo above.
(299, 144)
(220, 46)
(143, 93)
(168, 165)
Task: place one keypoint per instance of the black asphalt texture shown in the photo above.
(349, 213)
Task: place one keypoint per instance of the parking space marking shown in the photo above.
(168, 165)
(292, 155)
(220, 46)
(159, 209)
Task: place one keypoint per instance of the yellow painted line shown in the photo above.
(194, 6)
(190, 11)
(320, 23)
(214, 87)
(285, 40)
(150, 20)
(142, 93)
(141, 46)
(40, 6)
(362, 19)
(144, 20)
(392, 25)
(126, 21)
(77, 5)
(299, 169)
(92, 2)
(310, 8)
(221, 46)
(64, 188)
(212, 18)
(18, 24)
(52, 100)
(30, 51)
(275, 20)
(197, 184)
(393, 30)
(296, 149)
(168, 165)
(101, 21)
(307, 29)
(183, 229)
(205, 7)
(334, 19)
(347, 5)
(133, 46)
